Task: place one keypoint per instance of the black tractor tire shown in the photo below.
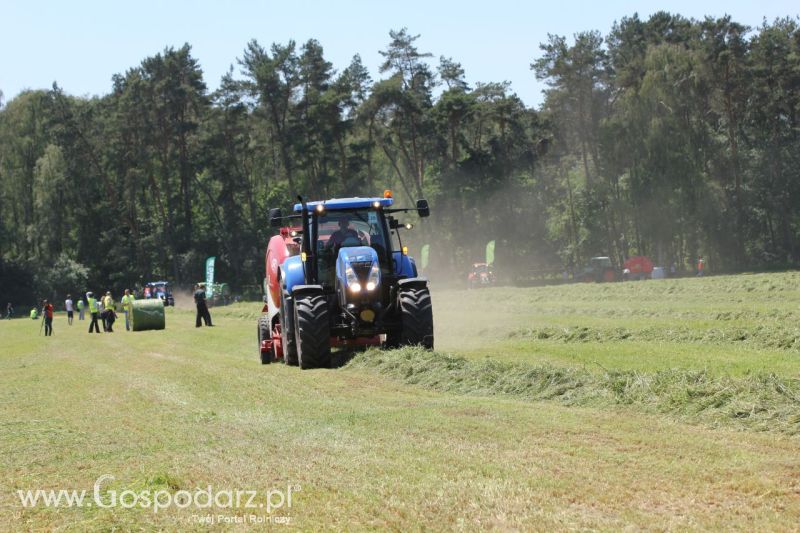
(287, 331)
(416, 312)
(312, 331)
(264, 333)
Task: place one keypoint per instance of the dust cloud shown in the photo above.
(184, 299)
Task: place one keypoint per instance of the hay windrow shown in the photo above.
(758, 402)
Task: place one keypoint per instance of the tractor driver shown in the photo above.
(341, 235)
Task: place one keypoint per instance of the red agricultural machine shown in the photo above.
(637, 268)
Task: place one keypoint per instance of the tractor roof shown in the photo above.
(345, 203)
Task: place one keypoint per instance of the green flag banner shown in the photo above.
(424, 255)
(210, 277)
(490, 253)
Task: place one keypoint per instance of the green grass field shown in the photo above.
(649, 405)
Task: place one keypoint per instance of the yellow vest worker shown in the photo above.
(127, 302)
(94, 309)
(127, 306)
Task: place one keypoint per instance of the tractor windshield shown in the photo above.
(345, 228)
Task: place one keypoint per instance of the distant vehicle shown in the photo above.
(159, 289)
(220, 294)
(637, 268)
(599, 270)
(481, 275)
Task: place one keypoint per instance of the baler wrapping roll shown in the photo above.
(147, 314)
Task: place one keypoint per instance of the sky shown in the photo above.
(82, 44)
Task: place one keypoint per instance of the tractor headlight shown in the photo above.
(374, 277)
(352, 279)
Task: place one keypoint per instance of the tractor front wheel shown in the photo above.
(312, 331)
(417, 317)
(287, 330)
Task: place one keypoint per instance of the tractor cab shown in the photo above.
(350, 230)
(599, 269)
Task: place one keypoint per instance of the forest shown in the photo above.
(668, 137)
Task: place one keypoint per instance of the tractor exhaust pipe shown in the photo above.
(307, 238)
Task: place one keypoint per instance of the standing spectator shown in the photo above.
(47, 310)
(202, 308)
(101, 310)
(9, 311)
(68, 304)
(127, 307)
(110, 318)
(701, 266)
(108, 309)
(81, 306)
(94, 310)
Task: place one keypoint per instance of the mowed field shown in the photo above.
(669, 404)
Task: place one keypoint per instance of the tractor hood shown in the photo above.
(357, 270)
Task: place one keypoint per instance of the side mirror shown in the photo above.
(275, 217)
(423, 209)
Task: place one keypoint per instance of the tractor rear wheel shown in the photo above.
(287, 330)
(264, 333)
(312, 331)
(417, 316)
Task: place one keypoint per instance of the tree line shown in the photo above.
(668, 137)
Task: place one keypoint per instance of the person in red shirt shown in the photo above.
(47, 311)
(701, 266)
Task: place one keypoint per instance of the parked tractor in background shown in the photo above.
(481, 275)
(220, 294)
(159, 289)
(334, 278)
(600, 269)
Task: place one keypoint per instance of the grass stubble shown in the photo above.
(503, 428)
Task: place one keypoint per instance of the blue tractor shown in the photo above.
(349, 285)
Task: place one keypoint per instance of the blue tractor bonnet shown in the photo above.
(346, 203)
(354, 254)
(358, 254)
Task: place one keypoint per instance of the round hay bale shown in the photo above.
(147, 315)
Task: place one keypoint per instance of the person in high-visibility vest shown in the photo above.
(80, 308)
(94, 310)
(127, 307)
(108, 313)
